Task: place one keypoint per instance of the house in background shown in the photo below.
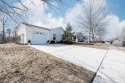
(37, 34)
(78, 37)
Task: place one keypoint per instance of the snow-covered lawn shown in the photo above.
(111, 71)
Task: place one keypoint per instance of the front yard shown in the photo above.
(121, 48)
(23, 64)
(96, 45)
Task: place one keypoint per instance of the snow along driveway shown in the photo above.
(112, 69)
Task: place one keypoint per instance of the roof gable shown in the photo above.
(36, 26)
(58, 28)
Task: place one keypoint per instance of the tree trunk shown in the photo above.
(3, 34)
(9, 37)
(89, 36)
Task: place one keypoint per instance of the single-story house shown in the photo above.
(78, 37)
(117, 42)
(37, 34)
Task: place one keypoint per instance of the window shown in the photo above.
(54, 36)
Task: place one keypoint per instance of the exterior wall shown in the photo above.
(79, 37)
(22, 33)
(59, 33)
(26, 31)
(31, 29)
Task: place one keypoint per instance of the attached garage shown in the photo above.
(39, 38)
(38, 35)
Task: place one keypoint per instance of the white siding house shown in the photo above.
(56, 34)
(78, 36)
(38, 35)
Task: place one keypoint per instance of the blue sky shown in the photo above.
(117, 7)
(67, 4)
(66, 12)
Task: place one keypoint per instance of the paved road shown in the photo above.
(112, 69)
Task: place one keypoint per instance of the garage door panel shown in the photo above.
(38, 38)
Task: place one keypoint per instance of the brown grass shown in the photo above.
(121, 48)
(23, 64)
(96, 45)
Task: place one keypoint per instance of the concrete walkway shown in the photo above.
(111, 47)
(112, 69)
(88, 58)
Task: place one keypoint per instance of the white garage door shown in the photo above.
(39, 38)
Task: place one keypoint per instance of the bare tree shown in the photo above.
(9, 32)
(101, 33)
(93, 18)
(123, 33)
(3, 22)
(15, 37)
(12, 10)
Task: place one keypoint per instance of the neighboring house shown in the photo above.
(117, 42)
(78, 37)
(37, 34)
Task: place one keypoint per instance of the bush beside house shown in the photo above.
(67, 36)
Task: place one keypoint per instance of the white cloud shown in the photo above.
(113, 30)
(71, 16)
(116, 27)
(73, 13)
(38, 14)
